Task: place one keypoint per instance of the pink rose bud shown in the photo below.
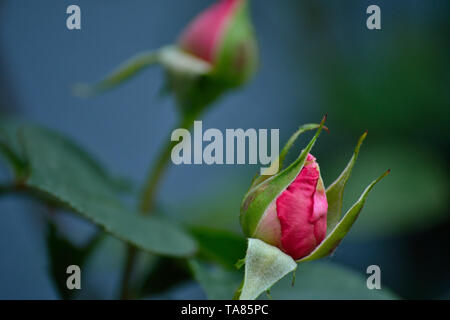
(296, 220)
(292, 210)
(216, 52)
(222, 35)
(290, 216)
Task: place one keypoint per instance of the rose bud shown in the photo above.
(292, 211)
(216, 52)
(222, 35)
(289, 217)
(296, 220)
(289, 209)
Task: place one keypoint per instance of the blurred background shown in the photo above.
(317, 57)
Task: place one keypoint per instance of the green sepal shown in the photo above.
(279, 162)
(259, 197)
(330, 243)
(121, 74)
(237, 56)
(264, 266)
(191, 80)
(240, 263)
(335, 192)
(176, 60)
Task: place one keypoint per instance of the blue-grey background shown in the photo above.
(316, 57)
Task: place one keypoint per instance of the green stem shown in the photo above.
(154, 178)
(8, 189)
(147, 202)
(149, 191)
(125, 291)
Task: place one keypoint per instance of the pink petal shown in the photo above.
(320, 215)
(302, 211)
(269, 229)
(202, 36)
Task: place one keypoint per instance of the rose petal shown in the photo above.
(203, 34)
(302, 212)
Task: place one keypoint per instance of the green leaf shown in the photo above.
(222, 246)
(264, 266)
(259, 197)
(124, 72)
(329, 244)
(279, 162)
(59, 170)
(328, 281)
(218, 283)
(10, 148)
(335, 192)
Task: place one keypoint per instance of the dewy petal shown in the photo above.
(202, 36)
(301, 210)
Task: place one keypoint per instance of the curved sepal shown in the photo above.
(176, 60)
(264, 266)
(124, 72)
(333, 239)
(260, 196)
(335, 192)
(278, 163)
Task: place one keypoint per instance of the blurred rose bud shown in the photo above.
(217, 52)
(222, 35)
(296, 220)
